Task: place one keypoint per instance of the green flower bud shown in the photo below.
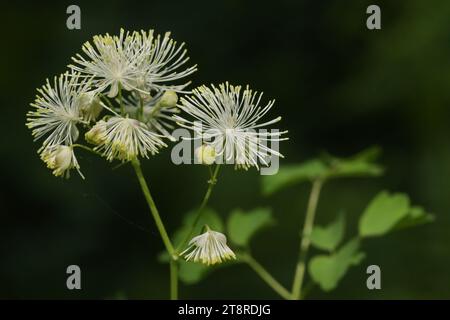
(169, 99)
(97, 135)
(60, 159)
(90, 106)
(205, 154)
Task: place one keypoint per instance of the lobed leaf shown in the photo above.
(329, 237)
(383, 213)
(328, 270)
(359, 165)
(242, 226)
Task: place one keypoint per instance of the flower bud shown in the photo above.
(90, 106)
(169, 99)
(60, 159)
(97, 135)
(205, 154)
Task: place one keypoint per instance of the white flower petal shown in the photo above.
(209, 248)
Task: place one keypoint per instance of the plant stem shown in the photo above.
(160, 225)
(141, 108)
(122, 110)
(306, 239)
(106, 100)
(266, 276)
(152, 206)
(87, 148)
(211, 184)
(173, 279)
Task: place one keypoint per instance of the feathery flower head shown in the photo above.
(111, 62)
(161, 65)
(57, 111)
(227, 118)
(126, 138)
(61, 159)
(133, 61)
(209, 248)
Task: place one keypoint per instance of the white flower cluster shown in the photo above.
(122, 92)
(140, 64)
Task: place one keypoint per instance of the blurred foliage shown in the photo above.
(243, 225)
(327, 270)
(359, 165)
(329, 237)
(385, 213)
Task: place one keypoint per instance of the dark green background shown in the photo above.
(339, 87)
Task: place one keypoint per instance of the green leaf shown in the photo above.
(328, 270)
(416, 216)
(370, 154)
(359, 165)
(383, 213)
(243, 225)
(329, 237)
(191, 273)
(292, 174)
(354, 168)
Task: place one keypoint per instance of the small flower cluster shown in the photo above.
(122, 92)
(140, 64)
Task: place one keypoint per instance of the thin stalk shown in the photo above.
(122, 109)
(266, 276)
(141, 108)
(156, 109)
(152, 206)
(162, 230)
(87, 148)
(306, 238)
(173, 280)
(211, 184)
(105, 99)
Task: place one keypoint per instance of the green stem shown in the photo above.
(105, 99)
(156, 109)
(152, 206)
(87, 148)
(173, 280)
(211, 184)
(122, 109)
(266, 276)
(306, 238)
(141, 108)
(160, 225)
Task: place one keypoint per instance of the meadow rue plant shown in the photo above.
(123, 94)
